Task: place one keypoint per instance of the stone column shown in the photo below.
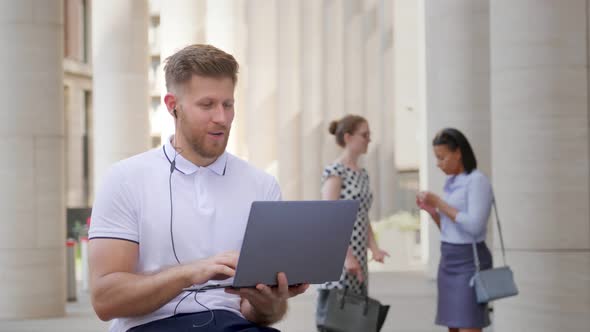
(314, 129)
(377, 72)
(32, 198)
(120, 77)
(539, 63)
(356, 48)
(407, 40)
(182, 23)
(457, 91)
(262, 61)
(385, 128)
(289, 106)
(333, 71)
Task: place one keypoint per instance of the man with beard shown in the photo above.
(175, 216)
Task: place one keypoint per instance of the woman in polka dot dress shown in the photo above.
(343, 179)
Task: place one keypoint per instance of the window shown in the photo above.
(76, 30)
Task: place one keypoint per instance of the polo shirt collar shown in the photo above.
(185, 166)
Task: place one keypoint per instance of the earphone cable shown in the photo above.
(172, 167)
(212, 317)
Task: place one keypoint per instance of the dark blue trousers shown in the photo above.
(224, 321)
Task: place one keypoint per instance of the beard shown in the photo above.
(206, 147)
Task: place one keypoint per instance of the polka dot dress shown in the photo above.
(355, 186)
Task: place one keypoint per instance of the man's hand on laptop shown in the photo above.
(267, 305)
(218, 267)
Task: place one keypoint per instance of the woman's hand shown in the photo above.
(430, 209)
(352, 266)
(429, 199)
(379, 255)
(430, 203)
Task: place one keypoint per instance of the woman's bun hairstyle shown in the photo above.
(333, 127)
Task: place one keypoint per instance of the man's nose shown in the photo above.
(219, 116)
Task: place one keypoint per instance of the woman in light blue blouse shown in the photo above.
(461, 215)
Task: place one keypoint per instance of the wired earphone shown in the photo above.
(177, 151)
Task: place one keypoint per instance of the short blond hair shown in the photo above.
(199, 59)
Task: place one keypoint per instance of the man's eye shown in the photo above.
(228, 105)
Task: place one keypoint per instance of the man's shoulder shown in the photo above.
(245, 168)
(136, 165)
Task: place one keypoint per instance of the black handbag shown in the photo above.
(339, 311)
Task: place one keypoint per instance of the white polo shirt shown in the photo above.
(211, 208)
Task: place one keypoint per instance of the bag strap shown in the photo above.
(495, 205)
(475, 256)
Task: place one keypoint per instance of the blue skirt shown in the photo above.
(457, 305)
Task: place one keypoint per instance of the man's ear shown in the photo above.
(170, 100)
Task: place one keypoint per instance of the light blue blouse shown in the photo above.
(471, 194)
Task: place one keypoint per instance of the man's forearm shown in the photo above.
(122, 294)
(265, 319)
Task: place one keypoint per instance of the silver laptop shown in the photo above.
(307, 240)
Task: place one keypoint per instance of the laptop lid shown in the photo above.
(307, 240)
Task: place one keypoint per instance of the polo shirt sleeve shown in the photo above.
(114, 214)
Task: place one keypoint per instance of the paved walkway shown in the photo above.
(411, 296)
